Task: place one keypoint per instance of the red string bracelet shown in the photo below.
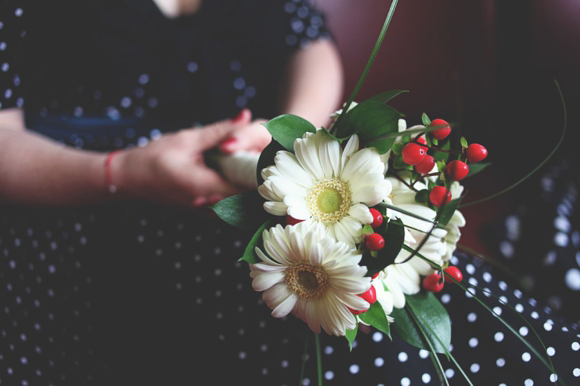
(108, 173)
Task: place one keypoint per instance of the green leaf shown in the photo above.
(376, 317)
(351, 335)
(267, 158)
(398, 163)
(397, 148)
(446, 212)
(244, 210)
(394, 236)
(476, 168)
(386, 96)
(367, 230)
(464, 142)
(249, 255)
(406, 139)
(425, 119)
(382, 145)
(441, 155)
(429, 309)
(371, 120)
(422, 196)
(286, 128)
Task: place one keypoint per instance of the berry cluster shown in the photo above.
(416, 153)
(435, 281)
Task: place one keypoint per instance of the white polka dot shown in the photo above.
(474, 368)
(377, 336)
(561, 239)
(423, 353)
(507, 249)
(497, 311)
(575, 346)
(553, 378)
(528, 382)
(470, 269)
(403, 356)
(329, 375)
(406, 381)
(551, 351)
(498, 336)
(502, 285)
(426, 378)
(192, 67)
(524, 331)
(472, 317)
(503, 299)
(519, 308)
(473, 342)
(534, 315)
(445, 298)
(379, 362)
(354, 369)
(576, 372)
(526, 357)
(548, 326)
(573, 279)
(449, 373)
(328, 350)
(500, 362)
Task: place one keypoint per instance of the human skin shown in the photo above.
(37, 171)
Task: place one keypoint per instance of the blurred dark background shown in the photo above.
(488, 66)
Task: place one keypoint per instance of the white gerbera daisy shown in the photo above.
(404, 277)
(311, 275)
(325, 184)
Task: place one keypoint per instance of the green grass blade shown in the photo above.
(318, 359)
(434, 357)
(537, 167)
(369, 62)
(304, 359)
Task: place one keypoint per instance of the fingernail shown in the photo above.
(199, 201)
(229, 141)
(214, 198)
(240, 116)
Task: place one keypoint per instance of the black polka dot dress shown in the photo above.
(142, 295)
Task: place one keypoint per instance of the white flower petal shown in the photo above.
(266, 280)
(285, 307)
(276, 208)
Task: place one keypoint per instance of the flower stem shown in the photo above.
(369, 62)
(303, 359)
(318, 359)
(537, 167)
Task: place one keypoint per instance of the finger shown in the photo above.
(253, 138)
(211, 135)
(208, 182)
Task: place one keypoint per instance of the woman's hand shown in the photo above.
(172, 170)
(253, 137)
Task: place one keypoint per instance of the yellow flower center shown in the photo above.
(307, 281)
(329, 201)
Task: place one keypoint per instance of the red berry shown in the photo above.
(370, 296)
(476, 152)
(414, 153)
(421, 140)
(425, 166)
(355, 312)
(457, 170)
(454, 272)
(373, 277)
(443, 132)
(292, 221)
(377, 217)
(374, 242)
(439, 194)
(433, 283)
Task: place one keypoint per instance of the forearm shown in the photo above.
(35, 170)
(314, 82)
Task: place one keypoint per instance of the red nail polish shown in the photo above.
(229, 141)
(239, 117)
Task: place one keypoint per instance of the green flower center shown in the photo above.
(307, 281)
(329, 201)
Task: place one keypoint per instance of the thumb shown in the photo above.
(211, 135)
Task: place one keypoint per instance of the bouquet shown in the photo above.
(356, 223)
